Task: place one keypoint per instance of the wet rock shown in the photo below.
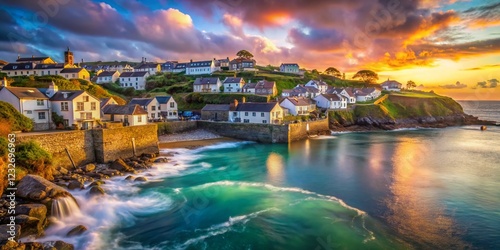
(161, 160)
(78, 171)
(37, 188)
(88, 168)
(94, 175)
(111, 172)
(7, 231)
(149, 155)
(129, 178)
(57, 245)
(38, 211)
(145, 159)
(121, 166)
(141, 179)
(29, 225)
(96, 190)
(78, 230)
(97, 183)
(75, 184)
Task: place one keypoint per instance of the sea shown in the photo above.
(405, 189)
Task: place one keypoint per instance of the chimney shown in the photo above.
(82, 60)
(243, 99)
(191, 60)
(18, 56)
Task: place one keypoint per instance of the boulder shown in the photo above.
(149, 155)
(5, 233)
(129, 178)
(62, 170)
(78, 230)
(75, 184)
(161, 160)
(37, 188)
(110, 172)
(38, 211)
(96, 190)
(88, 168)
(97, 183)
(94, 175)
(121, 166)
(29, 225)
(57, 245)
(141, 179)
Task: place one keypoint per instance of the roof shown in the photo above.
(141, 101)
(206, 80)
(134, 74)
(250, 85)
(19, 66)
(216, 107)
(71, 70)
(256, 106)
(224, 60)
(290, 64)
(26, 93)
(200, 64)
(265, 85)
(107, 73)
(105, 101)
(163, 99)
(233, 79)
(147, 66)
(70, 95)
(133, 109)
(49, 66)
(180, 66)
(333, 97)
(30, 59)
(392, 84)
(299, 101)
(320, 83)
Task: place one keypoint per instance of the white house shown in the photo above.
(292, 68)
(392, 85)
(151, 105)
(168, 107)
(345, 92)
(249, 88)
(207, 84)
(180, 68)
(108, 76)
(331, 101)
(320, 85)
(129, 115)
(135, 80)
(78, 108)
(201, 67)
(298, 105)
(31, 103)
(242, 64)
(233, 84)
(257, 112)
(47, 69)
(301, 90)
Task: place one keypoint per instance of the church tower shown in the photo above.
(68, 58)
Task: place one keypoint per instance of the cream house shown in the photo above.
(78, 108)
(107, 76)
(129, 115)
(255, 112)
(298, 105)
(233, 84)
(331, 101)
(75, 73)
(201, 67)
(151, 105)
(207, 84)
(292, 68)
(168, 107)
(31, 103)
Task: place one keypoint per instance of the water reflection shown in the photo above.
(275, 168)
(412, 210)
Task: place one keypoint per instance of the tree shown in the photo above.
(366, 76)
(244, 54)
(411, 84)
(333, 72)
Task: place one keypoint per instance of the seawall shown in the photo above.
(97, 145)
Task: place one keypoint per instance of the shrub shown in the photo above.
(17, 121)
(4, 144)
(33, 157)
(164, 128)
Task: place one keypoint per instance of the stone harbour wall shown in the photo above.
(302, 130)
(265, 133)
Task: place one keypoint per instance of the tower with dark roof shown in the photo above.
(68, 57)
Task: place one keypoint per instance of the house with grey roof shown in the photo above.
(216, 112)
(151, 105)
(180, 68)
(298, 105)
(207, 84)
(168, 107)
(107, 76)
(30, 102)
(320, 85)
(136, 80)
(150, 67)
(242, 64)
(233, 84)
(257, 112)
(266, 88)
(392, 85)
(78, 108)
(331, 101)
(75, 73)
(201, 67)
(129, 115)
(292, 68)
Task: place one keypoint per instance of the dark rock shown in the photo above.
(78, 171)
(13, 245)
(6, 233)
(141, 179)
(57, 245)
(145, 159)
(96, 190)
(78, 230)
(75, 184)
(161, 160)
(149, 155)
(97, 183)
(121, 166)
(29, 225)
(38, 211)
(110, 172)
(129, 178)
(37, 188)
(88, 168)
(94, 175)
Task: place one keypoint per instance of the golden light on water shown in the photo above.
(275, 167)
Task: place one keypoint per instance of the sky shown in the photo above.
(450, 46)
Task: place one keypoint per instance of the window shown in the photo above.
(139, 118)
(172, 105)
(246, 113)
(79, 106)
(85, 98)
(264, 121)
(159, 107)
(246, 121)
(39, 102)
(153, 116)
(153, 108)
(64, 106)
(41, 115)
(29, 112)
(73, 75)
(254, 114)
(92, 106)
(262, 114)
(235, 113)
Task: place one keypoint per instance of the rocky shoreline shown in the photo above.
(374, 124)
(35, 198)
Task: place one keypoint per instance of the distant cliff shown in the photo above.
(403, 111)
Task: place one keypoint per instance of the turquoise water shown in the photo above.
(408, 189)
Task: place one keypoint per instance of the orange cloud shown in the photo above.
(438, 21)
